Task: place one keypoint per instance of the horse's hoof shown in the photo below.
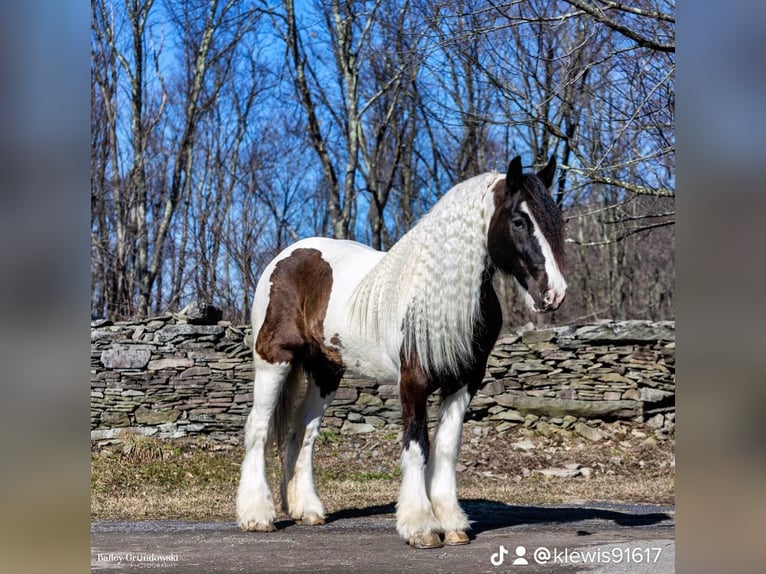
(426, 540)
(310, 519)
(456, 538)
(253, 526)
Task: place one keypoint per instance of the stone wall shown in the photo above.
(169, 377)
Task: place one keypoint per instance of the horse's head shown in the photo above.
(526, 235)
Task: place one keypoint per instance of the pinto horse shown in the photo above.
(423, 315)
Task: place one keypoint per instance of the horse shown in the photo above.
(423, 315)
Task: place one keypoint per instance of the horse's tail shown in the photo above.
(288, 407)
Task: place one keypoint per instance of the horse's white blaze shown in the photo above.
(442, 484)
(414, 514)
(557, 285)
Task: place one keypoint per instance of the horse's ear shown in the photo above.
(547, 173)
(513, 177)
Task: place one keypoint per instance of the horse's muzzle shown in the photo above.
(551, 301)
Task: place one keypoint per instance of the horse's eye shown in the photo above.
(518, 223)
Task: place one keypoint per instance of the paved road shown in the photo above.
(612, 538)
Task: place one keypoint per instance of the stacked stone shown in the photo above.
(169, 378)
(175, 375)
(607, 371)
(361, 405)
(560, 376)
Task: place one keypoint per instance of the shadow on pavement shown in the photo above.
(487, 515)
(365, 512)
(490, 515)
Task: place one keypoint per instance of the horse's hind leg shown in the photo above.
(299, 495)
(255, 505)
(442, 483)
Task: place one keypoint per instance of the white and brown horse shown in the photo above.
(423, 315)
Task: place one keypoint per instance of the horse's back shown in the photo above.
(303, 295)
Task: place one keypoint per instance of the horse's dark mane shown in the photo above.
(547, 214)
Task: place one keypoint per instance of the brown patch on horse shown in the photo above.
(293, 329)
(498, 192)
(501, 249)
(414, 388)
(523, 257)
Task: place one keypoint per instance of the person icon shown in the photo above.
(520, 560)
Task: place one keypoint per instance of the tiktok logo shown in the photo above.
(498, 557)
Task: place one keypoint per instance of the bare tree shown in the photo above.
(338, 100)
(150, 179)
(222, 131)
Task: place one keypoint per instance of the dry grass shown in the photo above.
(145, 478)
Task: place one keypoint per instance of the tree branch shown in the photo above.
(598, 15)
(634, 188)
(621, 236)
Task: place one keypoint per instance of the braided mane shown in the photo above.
(423, 297)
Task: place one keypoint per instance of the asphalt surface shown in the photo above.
(599, 539)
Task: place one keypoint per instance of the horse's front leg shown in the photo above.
(415, 520)
(442, 481)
